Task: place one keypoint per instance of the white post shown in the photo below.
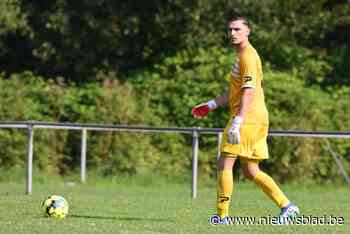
(30, 159)
(219, 145)
(83, 156)
(194, 163)
(337, 161)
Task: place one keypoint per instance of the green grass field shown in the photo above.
(110, 207)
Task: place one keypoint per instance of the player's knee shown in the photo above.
(226, 163)
(250, 171)
(247, 174)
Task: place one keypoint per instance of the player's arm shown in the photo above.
(246, 100)
(249, 76)
(203, 109)
(222, 99)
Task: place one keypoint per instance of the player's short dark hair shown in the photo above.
(235, 16)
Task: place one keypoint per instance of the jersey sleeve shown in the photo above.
(248, 71)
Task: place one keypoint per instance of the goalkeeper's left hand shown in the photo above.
(233, 134)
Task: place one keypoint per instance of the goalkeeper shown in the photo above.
(246, 132)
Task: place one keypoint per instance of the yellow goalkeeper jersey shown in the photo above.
(247, 73)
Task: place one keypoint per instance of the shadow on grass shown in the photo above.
(120, 218)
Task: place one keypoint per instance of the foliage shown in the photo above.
(79, 39)
(27, 97)
(197, 75)
(148, 63)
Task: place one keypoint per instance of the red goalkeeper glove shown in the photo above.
(203, 109)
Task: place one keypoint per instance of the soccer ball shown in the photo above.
(55, 206)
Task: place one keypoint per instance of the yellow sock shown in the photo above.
(268, 185)
(224, 192)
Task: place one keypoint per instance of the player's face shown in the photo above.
(238, 32)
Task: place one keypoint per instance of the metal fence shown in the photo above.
(195, 131)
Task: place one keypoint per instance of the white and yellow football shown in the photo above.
(55, 206)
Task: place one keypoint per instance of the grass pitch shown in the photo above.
(114, 207)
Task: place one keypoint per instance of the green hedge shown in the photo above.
(163, 96)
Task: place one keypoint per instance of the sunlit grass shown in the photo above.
(105, 206)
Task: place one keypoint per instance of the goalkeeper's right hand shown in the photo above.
(201, 110)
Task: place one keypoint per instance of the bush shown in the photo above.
(26, 97)
(163, 96)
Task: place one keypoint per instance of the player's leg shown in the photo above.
(251, 165)
(265, 182)
(268, 185)
(224, 184)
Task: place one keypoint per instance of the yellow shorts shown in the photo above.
(252, 145)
